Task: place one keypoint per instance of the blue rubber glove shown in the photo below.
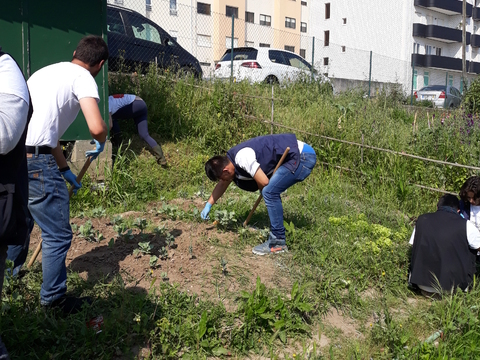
(205, 211)
(72, 179)
(94, 153)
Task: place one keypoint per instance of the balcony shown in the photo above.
(447, 7)
(476, 13)
(475, 41)
(444, 63)
(439, 33)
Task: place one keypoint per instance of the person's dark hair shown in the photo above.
(472, 184)
(215, 165)
(449, 200)
(91, 50)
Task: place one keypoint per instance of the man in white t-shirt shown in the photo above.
(58, 92)
(14, 111)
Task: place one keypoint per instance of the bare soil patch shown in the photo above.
(201, 273)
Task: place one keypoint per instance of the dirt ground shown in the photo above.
(194, 261)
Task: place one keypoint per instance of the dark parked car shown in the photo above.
(139, 41)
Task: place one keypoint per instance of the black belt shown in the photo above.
(38, 150)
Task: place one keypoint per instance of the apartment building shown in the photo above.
(344, 39)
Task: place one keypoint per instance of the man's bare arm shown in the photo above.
(96, 125)
(218, 191)
(261, 179)
(58, 155)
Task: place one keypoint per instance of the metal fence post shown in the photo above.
(413, 79)
(313, 55)
(370, 75)
(271, 127)
(446, 84)
(231, 54)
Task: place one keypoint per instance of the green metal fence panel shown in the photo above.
(40, 33)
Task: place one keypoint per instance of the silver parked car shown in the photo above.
(440, 95)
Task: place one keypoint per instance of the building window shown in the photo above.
(173, 7)
(461, 84)
(264, 45)
(304, 3)
(438, 51)
(425, 78)
(344, 48)
(205, 63)
(325, 61)
(416, 48)
(203, 8)
(265, 20)
(228, 42)
(415, 79)
(290, 23)
(450, 80)
(326, 38)
(303, 27)
(231, 11)
(344, 21)
(289, 48)
(148, 5)
(249, 44)
(303, 53)
(428, 50)
(249, 17)
(205, 40)
(327, 11)
(118, 2)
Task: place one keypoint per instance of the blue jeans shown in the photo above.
(49, 205)
(279, 182)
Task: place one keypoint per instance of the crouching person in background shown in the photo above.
(444, 249)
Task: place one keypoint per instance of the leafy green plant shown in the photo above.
(98, 211)
(86, 231)
(153, 262)
(170, 240)
(225, 218)
(163, 252)
(144, 248)
(224, 263)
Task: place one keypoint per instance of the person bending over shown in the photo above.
(250, 166)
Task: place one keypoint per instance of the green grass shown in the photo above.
(347, 235)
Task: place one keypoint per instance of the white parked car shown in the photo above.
(265, 65)
(448, 97)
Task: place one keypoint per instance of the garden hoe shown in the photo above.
(70, 193)
(260, 197)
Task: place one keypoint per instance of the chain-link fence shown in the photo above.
(197, 38)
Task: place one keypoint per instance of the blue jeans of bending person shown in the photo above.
(50, 208)
(279, 182)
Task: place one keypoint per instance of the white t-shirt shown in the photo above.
(55, 91)
(117, 101)
(13, 105)
(473, 236)
(475, 215)
(247, 160)
(12, 81)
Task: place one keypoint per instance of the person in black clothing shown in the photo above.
(444, 249)
(15, 113)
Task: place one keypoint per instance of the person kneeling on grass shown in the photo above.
(128, 106)
(444, 249)
(250, 166)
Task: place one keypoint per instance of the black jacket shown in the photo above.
(441, 251)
